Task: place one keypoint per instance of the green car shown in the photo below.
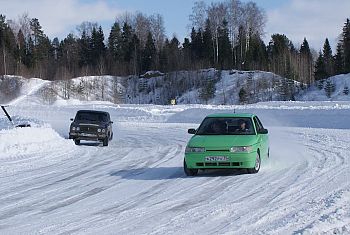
(227, 141)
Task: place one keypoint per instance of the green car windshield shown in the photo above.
(226, 126)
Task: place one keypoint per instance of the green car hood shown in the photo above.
(222, 141)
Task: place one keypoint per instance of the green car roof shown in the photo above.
(226, 115)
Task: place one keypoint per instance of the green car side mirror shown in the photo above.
(191, 131)
(263, 131)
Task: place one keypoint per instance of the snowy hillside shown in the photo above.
(259, 86)
(318, 91)
(38, 91)
(184, 86)
(154, 87)
(136, 185)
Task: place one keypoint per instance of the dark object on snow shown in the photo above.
(91, 125)
(10, 119)
(6, 113)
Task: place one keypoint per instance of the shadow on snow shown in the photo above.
(167, 173)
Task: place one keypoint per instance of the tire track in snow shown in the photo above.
(136, 185)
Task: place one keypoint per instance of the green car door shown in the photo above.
(263, 138)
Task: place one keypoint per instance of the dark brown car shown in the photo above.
(91, 125)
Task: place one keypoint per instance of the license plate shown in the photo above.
(216, 159)
(87, 135)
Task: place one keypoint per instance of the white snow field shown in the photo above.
(136, 185)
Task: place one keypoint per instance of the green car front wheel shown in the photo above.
(188, 171)
(256, 168)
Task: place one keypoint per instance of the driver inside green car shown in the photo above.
(243, 127)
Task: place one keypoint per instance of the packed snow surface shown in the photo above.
(136, 185)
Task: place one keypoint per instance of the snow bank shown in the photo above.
(18, 120)
(68, 102)
(18, 142)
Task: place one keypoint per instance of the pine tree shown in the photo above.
(149, 54)
(127, 46)
(305, 48)
(320, 84)
(164, 54)
(186, 53)
(346, 46)
(30, 62)
(208, 45)
(71, 51)
(41, 49)
(196, 45)
(224, 47)
(85, 52)
(208, 91)
(37, 32)
(328, 59)
(277, 53)
(346, 90)
(8, 48)
(115, 41)
(338, 60)
(320, 68)
(242, 96)
(98, 48)
(256, 55)
(329, 88)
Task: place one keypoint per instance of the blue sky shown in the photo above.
(175, 12)
(313, 19)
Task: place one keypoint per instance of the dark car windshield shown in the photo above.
(226, 126)
(91, 117)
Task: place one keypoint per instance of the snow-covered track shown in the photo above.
(136, 185)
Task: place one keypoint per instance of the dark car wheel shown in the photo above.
(188, 171)
(77, 142)
(105, 141)
(256, 168)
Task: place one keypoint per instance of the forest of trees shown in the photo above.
(223, 35)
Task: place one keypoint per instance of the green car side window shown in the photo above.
(258, 124)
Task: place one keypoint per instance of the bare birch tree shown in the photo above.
(199, 15)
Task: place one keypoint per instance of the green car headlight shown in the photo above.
(194, 150)
(241, 149)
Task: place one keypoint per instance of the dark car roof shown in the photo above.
(92, 111)
(229, 115)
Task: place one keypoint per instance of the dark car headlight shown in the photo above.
(99, 130)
